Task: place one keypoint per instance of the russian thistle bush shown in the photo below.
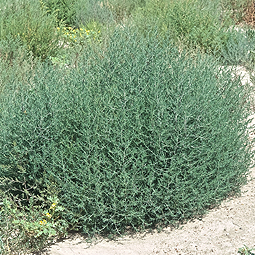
(139, 135)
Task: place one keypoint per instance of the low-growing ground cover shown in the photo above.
(105, 127)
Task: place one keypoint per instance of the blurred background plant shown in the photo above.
(31, 25)
(89, 11)
(16, 64)
(74, 36)
(239, 10)
(197, 22)
(63, 10)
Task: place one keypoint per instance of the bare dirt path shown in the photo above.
(221, 232)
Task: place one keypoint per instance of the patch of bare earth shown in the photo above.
(221, 232)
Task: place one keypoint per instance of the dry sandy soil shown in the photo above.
(221, 232)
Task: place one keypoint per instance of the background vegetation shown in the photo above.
(118, 115)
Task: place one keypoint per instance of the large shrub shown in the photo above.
(138, 135)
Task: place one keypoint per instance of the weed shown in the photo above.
(246, 251)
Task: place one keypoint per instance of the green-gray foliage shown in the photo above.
(138, 135)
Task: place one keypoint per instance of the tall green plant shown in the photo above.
(137, 135)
